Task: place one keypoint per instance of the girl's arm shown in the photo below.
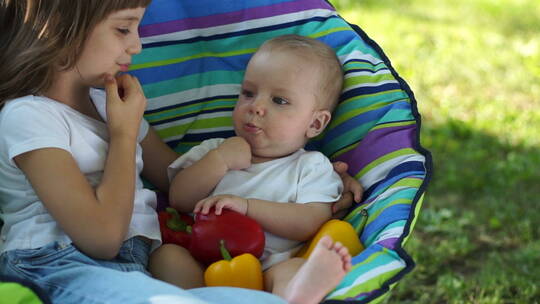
(157, 156)
(197, 181)
(97, 220)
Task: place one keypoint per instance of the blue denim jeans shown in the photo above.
(69, 276)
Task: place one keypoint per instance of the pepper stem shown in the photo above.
(224, 252)
(175, 223)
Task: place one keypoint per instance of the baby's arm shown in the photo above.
(289, 220)
(97, 219)
(198, 180)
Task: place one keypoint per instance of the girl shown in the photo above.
(77, 221)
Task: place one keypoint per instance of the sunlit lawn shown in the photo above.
(474, 66)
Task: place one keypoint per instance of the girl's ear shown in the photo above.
(321, 118)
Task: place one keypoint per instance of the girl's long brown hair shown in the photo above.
(40, 37)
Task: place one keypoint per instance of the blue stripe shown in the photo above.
(388, 216)
(356, 92)
(350, 71)
(191, 67)
(167, 10)
(366, 253)
(192, 102)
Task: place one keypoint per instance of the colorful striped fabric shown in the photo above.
(193, 59)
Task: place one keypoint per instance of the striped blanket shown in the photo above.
(192, 63)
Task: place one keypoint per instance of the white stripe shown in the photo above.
(358, 55)
(367, 73)
(395, 232)
(178, 98)
(380, 171)
(389, 192)
(240, 26)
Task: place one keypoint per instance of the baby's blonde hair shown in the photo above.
(331, 72)
(41, 37)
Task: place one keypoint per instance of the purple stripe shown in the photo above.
(389, 243)
(376, 144)
(231, 17)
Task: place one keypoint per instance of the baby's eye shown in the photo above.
(280, 101)
(123, 31)
(247, 93)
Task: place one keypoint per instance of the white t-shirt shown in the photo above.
(301, 177)
(34, 122)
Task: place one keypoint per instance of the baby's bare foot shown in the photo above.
(324, 269)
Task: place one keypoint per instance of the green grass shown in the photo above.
(474, 66)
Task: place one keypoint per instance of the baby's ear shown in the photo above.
(320, 120)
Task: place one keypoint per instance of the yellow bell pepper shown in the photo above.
(243, 271)
(339, 231)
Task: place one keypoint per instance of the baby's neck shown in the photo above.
(255, 159)
(258, 159)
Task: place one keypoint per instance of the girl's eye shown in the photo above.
(280, 101)
(247, 93)
(123, 31)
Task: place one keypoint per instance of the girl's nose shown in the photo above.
(135, 46)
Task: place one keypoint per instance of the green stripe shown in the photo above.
(382, 97)
(394, 124)
(367, 79)
(225, 104)
(415, 217)
(195, 125)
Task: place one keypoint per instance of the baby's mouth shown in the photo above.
(251, 128)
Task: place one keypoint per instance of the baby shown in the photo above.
(291, 85)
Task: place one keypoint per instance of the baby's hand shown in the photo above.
(235, 152)
(352, 190)
(124, 113)
(227, 201)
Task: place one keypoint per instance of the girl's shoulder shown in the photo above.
(29, 102)
(31, 110)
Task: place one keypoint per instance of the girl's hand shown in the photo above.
(125, 105)
(352, 190)
(227, 201)
(235, 152)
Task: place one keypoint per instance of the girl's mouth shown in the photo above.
(124, 67)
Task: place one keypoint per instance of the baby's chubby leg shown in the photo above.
(278, 276)
(175, 265)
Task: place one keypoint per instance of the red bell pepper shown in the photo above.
(242, 234)
(175, 228)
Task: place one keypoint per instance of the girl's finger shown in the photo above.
(111, 87)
